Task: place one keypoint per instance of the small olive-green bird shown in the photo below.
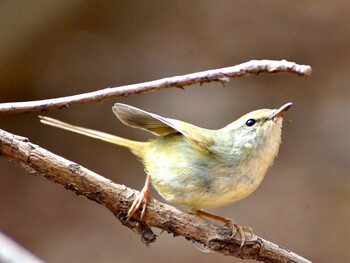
(198, 167)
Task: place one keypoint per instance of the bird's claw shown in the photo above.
(232, 225)
(141, 199)
(235, 228)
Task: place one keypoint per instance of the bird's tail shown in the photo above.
(135, 147)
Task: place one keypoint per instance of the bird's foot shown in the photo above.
(232, 225)
(141, 199)
(241, 230)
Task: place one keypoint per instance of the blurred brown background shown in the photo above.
(56, 48)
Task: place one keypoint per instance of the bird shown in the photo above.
(197, 167)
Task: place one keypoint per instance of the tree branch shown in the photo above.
(118, 198)
(253, 67)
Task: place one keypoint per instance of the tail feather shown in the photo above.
(135, 147)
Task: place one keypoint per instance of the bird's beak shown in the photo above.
(279, 113)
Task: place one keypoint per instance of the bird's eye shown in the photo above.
(250, 122)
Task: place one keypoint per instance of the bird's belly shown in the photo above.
(226, 191)
(200, 181)
(203, 189)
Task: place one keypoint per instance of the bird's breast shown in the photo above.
(182, 174)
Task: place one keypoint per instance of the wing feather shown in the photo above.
(161, 126)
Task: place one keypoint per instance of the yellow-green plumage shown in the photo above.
(198, 167)
(230, 169)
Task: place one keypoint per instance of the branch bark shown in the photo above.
(253, 67)
(118, 198)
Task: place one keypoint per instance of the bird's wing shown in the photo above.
(161, 126)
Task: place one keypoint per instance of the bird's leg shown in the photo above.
(141, 199)
(230, 224)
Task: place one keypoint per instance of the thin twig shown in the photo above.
(118, 198)
(253, 67)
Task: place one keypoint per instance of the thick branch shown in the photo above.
(253, 67)
(118, 198)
